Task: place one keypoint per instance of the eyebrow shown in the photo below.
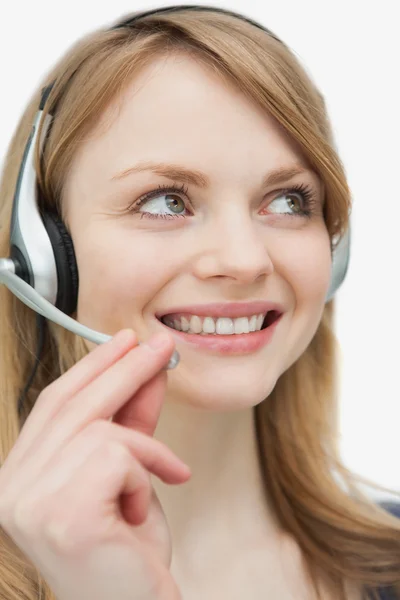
(199, 179)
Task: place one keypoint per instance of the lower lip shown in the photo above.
(243, 343)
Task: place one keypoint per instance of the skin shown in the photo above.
(237, 243)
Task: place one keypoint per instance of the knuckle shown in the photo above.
(140, 476)
(117, 453)
(58, 535)
(44, 396)
(5, 501)
(98, 428)
(159, 452)
(145, 477)
(5, 514)
(25, 515)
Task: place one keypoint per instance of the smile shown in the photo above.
(199, 325)
(229, 329)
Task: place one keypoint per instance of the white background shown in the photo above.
(349, 47)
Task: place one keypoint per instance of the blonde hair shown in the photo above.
(343, 536)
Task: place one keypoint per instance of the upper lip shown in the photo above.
(232, 310)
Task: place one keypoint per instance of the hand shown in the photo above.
(75, 490)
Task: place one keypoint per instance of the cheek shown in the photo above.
(119, 276)
(306, 266)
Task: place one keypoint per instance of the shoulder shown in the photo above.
(391, 507)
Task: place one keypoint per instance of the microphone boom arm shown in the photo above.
(36, 302)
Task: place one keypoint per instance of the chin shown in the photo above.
(229, 390)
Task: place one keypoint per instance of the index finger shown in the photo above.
(73, 381)
(102, 399)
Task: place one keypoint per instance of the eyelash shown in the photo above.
(309, 200)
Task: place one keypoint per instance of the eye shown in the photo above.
(170, 202)
(165, 202)
(286, 203)
(296, 201)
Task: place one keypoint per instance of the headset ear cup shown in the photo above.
(340, 263)
(67, 269)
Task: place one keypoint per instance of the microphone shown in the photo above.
(36, 302)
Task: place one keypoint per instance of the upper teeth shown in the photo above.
(221, 326)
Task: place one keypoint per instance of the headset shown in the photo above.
(42, 270)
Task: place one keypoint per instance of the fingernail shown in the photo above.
(158, 341)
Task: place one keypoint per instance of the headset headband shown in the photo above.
(33, 248)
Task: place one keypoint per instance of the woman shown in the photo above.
(192, 163)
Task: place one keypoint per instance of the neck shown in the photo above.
(222, 508)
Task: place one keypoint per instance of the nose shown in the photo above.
(235, 250)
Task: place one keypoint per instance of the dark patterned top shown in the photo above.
(394, 509)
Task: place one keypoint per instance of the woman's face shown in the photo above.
(223, 235)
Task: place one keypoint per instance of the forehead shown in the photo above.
(177, 109)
